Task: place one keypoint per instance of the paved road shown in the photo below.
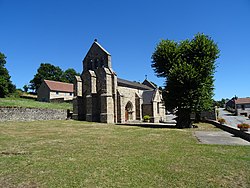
(232, 120)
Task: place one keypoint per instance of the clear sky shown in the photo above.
(60, 32)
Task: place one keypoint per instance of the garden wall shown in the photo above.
(30, 114)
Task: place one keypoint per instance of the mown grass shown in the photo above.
(80, 154)
(31, 103)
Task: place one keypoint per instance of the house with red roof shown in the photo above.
(241, 106)
(55, 91)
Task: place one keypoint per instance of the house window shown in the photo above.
(70, 94)
(243, 107)
(57, 92)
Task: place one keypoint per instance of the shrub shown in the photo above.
(243, 125)
(221, 120)
(146, 118)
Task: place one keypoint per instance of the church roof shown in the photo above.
(59, 86)
(147, 96)
(135, 85)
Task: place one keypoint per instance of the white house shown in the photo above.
(55, 91)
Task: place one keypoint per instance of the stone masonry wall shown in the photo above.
(209, 115)
(128, 96)
(30, 114)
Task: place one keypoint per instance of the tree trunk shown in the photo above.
(197, 117)
(183, 118)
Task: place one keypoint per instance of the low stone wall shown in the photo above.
(206, 115)
(232, 130)
(209, 115)
(30, 114)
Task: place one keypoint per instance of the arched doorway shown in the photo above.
(129, 111)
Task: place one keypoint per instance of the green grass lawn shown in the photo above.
(80, 154)
(31, 103)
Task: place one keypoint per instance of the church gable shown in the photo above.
(149, 84)
(97, 57)
(158, 96)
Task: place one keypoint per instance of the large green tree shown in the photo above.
(6, 86)
(46, 71)
(189, 68)
(50, 72)
(69, 75)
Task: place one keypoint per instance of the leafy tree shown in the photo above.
(25, 88)
(188, 67)
(220, 103)
(6, 86)
(46, 71)
(51, 72)
(69, 75)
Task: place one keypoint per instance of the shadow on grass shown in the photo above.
(151, 125)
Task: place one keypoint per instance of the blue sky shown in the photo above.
(60, 32)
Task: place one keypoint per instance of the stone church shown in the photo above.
(101, 96)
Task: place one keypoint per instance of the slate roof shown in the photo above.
(135, 85)
(147, 96)
(59, 86)
(242, 101)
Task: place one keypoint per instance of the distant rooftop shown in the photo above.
(242, 101)
(59, 86)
